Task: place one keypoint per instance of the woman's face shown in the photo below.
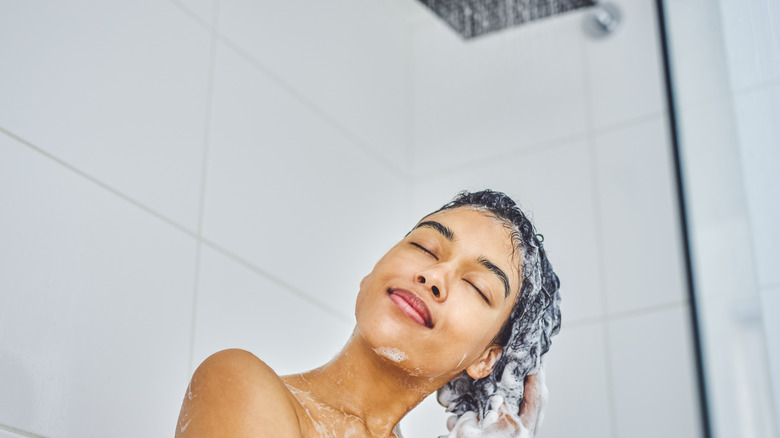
(436, 300)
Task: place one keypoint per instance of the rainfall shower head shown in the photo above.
(470, 18)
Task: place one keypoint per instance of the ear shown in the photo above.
(485, 364)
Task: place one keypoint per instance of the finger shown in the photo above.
(534, 400)
(543, 395)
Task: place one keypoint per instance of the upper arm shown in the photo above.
(234, 394)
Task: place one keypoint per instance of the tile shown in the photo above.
(739, 387)
(406, 11)
(723, 268)
(698, 56)
(715, 200)
(290, 194)
(710, 158)
(640, 229)
(653, 375)
(577, 378)
(205, 9)
(347, 58)
(624, 71)
(428, 419)
(96, 305)
(238, 308)
(751, 40)
(770, 307)
(495, 94)
(757, 113)
(554, 187)
(116, 90)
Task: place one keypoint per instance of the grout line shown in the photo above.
(353, 138)
(19, 432)
(312, 106)
(725, 96)
(184, 230)
(485, 161)
(624, 314)
(628, 123)
(770, 285)
(648, 310)
(601, 269)
(409, 137)
(278, 281)
(409, 103)
(191, 14)
(582, 322)
(542, 146)
(98, 182)
(203, 180)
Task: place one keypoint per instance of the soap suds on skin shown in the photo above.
(391, 353)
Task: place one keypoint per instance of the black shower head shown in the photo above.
(470, 18)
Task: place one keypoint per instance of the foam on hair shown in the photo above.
(534, 319)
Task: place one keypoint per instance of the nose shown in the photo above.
(433, 284)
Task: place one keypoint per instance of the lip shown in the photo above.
(412, 305)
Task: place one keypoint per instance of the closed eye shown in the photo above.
(478, 291)
(425, 249)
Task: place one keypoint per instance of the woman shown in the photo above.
(464, 304)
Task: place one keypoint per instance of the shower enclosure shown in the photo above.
(183, 176)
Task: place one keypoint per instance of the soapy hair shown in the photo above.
(535, 317)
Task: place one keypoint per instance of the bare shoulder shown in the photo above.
(235, 394)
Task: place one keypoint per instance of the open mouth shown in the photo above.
(411, 305)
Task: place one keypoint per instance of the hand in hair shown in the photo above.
(499, 422)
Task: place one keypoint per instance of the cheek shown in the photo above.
(471, 332)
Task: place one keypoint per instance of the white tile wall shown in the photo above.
(653, 375)
(577, 377)
(238, 308)
(7, 434)
(554, 186)
(770, 306)
(495, 94)
(428, 419)
(699, 70)
(116, 90)
(715, 200)
(708, 145)
(290, 194)
(306, 188)
(96, 305)
(739, 396)
(347, 58)
(639, 221)
(751, 40)
(205, 9)
(757, 113)
(624, 69)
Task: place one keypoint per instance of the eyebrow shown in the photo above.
(444, 231)
(487, 264)
(496, 270)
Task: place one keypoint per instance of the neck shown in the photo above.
(364, 384)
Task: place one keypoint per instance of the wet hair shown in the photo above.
(535, 316)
